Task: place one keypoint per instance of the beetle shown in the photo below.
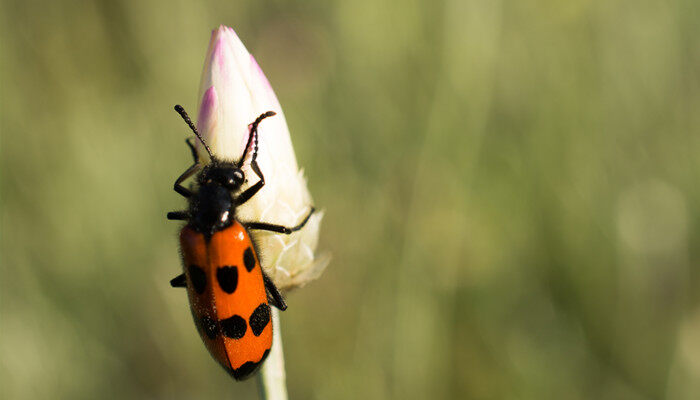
(229, 293)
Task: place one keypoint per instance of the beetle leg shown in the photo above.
(189, 172)
(251, 191)
(179, 281)
(273, 294)
(179, 215)
(279, 228)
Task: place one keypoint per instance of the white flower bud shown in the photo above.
(233, 92)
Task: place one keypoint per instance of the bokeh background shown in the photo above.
(511, 191)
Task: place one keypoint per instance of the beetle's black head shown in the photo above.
(212, 207)
(225, 174)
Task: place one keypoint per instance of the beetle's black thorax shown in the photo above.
(212, 206)
(211, 209)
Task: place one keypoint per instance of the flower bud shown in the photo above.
(233, 92)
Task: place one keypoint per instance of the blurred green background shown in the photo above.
(511, 195)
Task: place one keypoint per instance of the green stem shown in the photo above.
(271, 378)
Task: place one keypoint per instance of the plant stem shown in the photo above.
(271, 379)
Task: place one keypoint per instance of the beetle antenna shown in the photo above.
(181, 110)
(254, 135)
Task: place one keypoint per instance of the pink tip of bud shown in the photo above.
(208, 111)
(261, 74)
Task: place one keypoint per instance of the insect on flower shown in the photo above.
(229, 293)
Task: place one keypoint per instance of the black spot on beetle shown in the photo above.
(209, 327)
(249, 259)
(246, 370)
(234, 327)
(198, 278)
(259, 319)
(228, 278)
